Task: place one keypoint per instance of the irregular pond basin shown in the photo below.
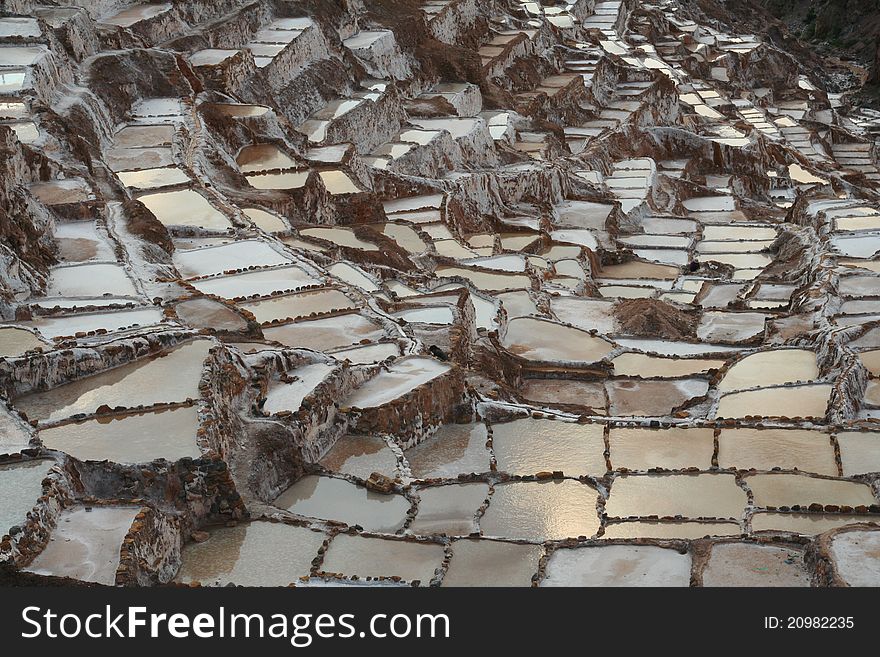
(329, 498)
(248, 555)
(85, 544)
(541, 510)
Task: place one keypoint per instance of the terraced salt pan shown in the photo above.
(207, 313)
(16, 341)
(584, 313)
(144, 136)
(673, 448)
(283, 396)
(553, 392)
(767, 368)
(764, 449)
(340, 236)
(234, 255)
(153, 178)
(11, 80)
(650, 398)
(85, 544)
(636, 269)
(645, 366)
(790, 401)
(21, 484)
(285, 180)
(747, 564)
(90, 280)
(540, 340)
(680, 530)
(256, 283)
(486, 281)
(671, 348)
(366, 354)
(294, 306)
(807, 524)
(859, 452)
(855, 557)
(406, 237)
(166, 434)
(449, 509)
(52, 327)
(79, 241)
(329, 498)
(618, 565)
(529, 446)
(541, 510)
(185, 208)
(454, 449)
(338, 182)
(238, 111)
(686, 495)
(325, 334)
(135, 14)
(375, 557)
(172, 377)
(248, 555)
(400, 378)
(361, 456)
(353, 276)
(264, 157)
(782, 489)
(478, 562)
(718, 326)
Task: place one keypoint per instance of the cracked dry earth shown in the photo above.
(466, 292)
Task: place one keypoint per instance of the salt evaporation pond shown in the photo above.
(361, 456)
(185, 208)
(767, 368)
(782, 489)
(791, 401)
(399, 379)
(20, 486)
(85, 544)
(329, 498)
(288, 396)
(16, 341)
(375, 557)
(539, 340)
(234, 255)
(454, 449)
(327, 333)
(165, 434)
(667, 529)
(673, 449)
(747, 448)
(618, 565)
(171, 377)
(248, 555)
(687, 495)
(449, 509)
(541, 510)
(256, 283)
(294, 306)
(477, 562)
(529, 446)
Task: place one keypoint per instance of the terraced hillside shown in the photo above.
(447, 293)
